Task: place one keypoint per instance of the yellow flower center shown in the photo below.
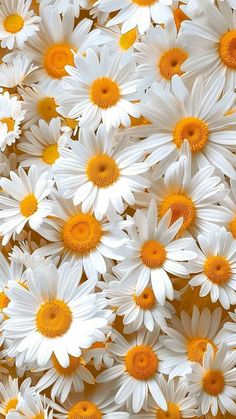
(172, 412)
(47, 108)
(146, 300)
(144, 3)
(28, 205)
(171, 61)
(72, 123)
(128, 39)
(9, 122)
(141, 362)
(11, 404)
(13, 23)
(104, 92)
(102, 170)
(136, 122)
(153, 254)
(84, 410)
(197, 347)
(213, 382)
(50, 154)
(179, 17)
(217, 269)
(98, 345)
(74, 364)
(4, 300)
(39, 416)
(81, 233)
(227, 49)
(192, 129)
(56, 58)
(232, 227)
(53, 318)
(181, 206)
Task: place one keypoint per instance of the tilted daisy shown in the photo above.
(229, 202)
(98, 356)
(54, 315)
(31, 406)
(11, 116)
(15, 72)
(229, 331)
(99, 89)
(215, 267)
(100, 174)
(119, 43)
(213, 384)
(138, 13)
(17, 23)
(187, 338)
(10, 394)
(26, 201)
(63, 5)
(9, 272)
(197, 116)
(136, 371)
(154, 254)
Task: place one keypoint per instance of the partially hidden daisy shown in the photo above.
(10, 394)
(11, 116)
(119, 43)
(31, 406)
(16, 71)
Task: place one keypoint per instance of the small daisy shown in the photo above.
(100, 175)
(98, 356)
(62, 6)
(11, 116)
(213, 384)
(10, 394)
(229, 202)
(138, 13)
(27, 201)
(136, 370)
(121, 44)
(9, 272)
(187, 338)
(229, 331)
(99, 89)
(215, 267)
(154, 253)
(61, 317)
(31, 406)
(16, 71)
(17, 23)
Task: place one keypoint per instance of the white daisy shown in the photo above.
(10, 394)
(16, 71)
(100, 175)
(11, 116)
(119, 43)
(62, 6)
(61, 316)
(17, 23)
(31, 406)
(154, 253)
(99, 89)
(229, 331)
(229, 202)
(215, 267)
(98, 356)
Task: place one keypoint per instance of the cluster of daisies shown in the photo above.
(117, 209)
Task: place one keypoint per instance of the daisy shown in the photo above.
(62, 6)
(31, 406)
(62, 317)
(138, 13)
(98, 356)
(15, 72)
(197, 116)
(119, 43)
(80, 236)
(98, 174)
(136, 370)
(187, 338)
(9, 272)
(41, 144)
(154, 254)
(27, 201)
(159, 56)
(229, 331)
(11, 116)
(229, 202)
(99, 89)
(213, 383)
(10, 394)
(216, 34)
(215, 267)
(17, 23)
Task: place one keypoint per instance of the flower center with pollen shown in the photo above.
(217, 269)
(53, 318)
(74, 363)
(50, 154)
(47, 108)
(197, 347)
(4, 300)
(56, 58)
(181, 206)
(146, 300)
(153, 254)
(192, 129)
(104, 92)
(172, 412)
(144, 3)
(171, 61)
(102, 170)
(227, 49)
(84, 410)
(81, 233)
(128, 39)
(39, 416)
(232, 227)
(141, 362)
(13, 23)
(9, 122)
(28, 205)
(11, 404)
(213, 382)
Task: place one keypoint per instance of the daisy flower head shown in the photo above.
(10, 394)
(16, 71)
(140, 13)
(215, 267)
(154, 254)
(97, 355)
(229, 202)
(213, 383)
(100, 174)
(122, 44)
(26, 201)
(11, 116)
(17, 23)
(99, 89)
(31, 405)
(62, 6)
(229, 331)
(62, 317)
